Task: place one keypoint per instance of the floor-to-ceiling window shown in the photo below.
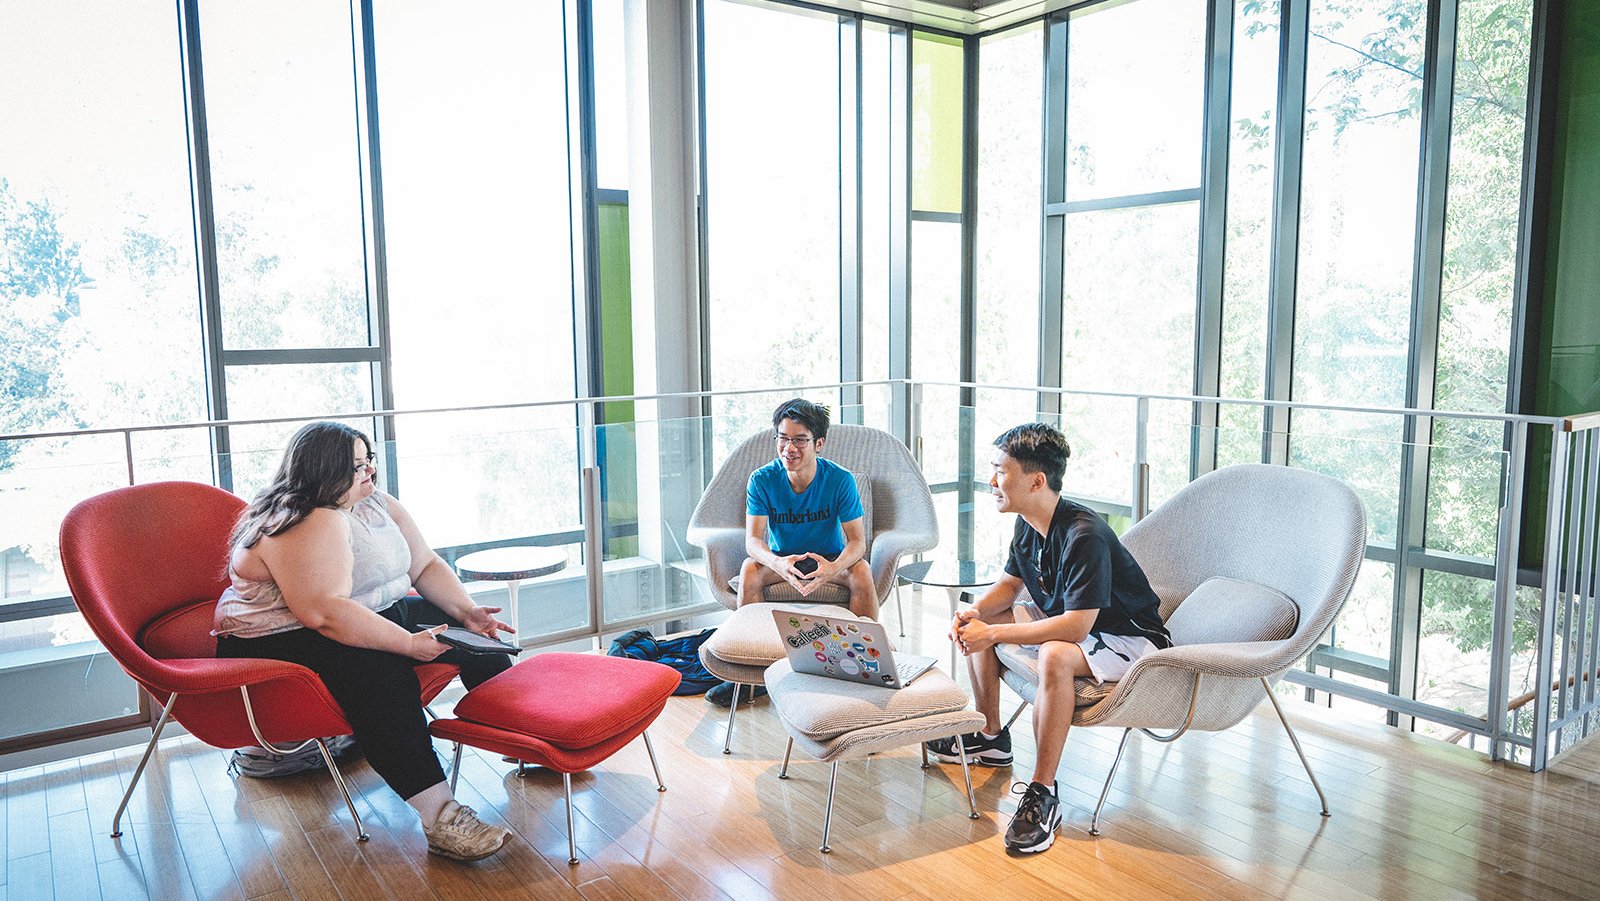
(1135, 78)
(98, 320)
(1010, 168)
(472, 100)
(280, 104)
(196, 221)
(772, 99)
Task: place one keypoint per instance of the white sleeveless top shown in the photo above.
(379, 577)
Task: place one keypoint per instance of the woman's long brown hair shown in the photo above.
(316, 471)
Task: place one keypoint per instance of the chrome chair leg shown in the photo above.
(1020, 707)
(1294, 740)
(572, 840)
(651, 750)
(1094, 824)
(784, 773)
(899, 609)
(455, 767)
(338, 781)
(827, 812)
(966, 776)
(155, 736)
(727, 738)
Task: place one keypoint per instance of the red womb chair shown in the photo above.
(146, 565)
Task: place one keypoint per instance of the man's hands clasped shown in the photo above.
(970, 633)
(805, 582)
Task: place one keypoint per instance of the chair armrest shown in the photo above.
(888, 547)
(198, 675)
(714, 536)
(724, 552)
(1241, 659)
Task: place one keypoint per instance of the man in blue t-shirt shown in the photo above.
(803, 517)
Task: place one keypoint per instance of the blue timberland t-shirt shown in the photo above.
(808, 522)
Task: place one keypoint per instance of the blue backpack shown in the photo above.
(682, 654)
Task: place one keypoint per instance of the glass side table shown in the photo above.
(511, 565)
(957, 577)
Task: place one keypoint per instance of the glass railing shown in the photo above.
(1446, 623)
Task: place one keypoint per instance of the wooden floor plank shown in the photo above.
(29, 877)
(291, 849)
(73, 872)
(243, 846)
(26, 810)
(5, 828)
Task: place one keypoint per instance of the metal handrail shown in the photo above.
(1569, 423)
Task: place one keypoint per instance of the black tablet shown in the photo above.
(471, 641)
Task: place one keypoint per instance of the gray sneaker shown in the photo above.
(461, 835)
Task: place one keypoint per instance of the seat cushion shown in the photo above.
(1226, 610)
(182, 633)
(824, 709)
(784, 592)
(750, 637)
(1025, 662)
(570, 700)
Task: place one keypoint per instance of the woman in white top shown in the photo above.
(321, 565)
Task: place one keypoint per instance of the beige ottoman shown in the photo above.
(833, 720)
(747, 643)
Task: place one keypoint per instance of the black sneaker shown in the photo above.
(1033, 826)
(722, 695)
(980, 750)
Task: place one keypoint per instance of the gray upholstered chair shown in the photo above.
(899, 509)
(896, 505)
(1252, 564)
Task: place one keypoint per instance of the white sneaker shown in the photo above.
(459, 833)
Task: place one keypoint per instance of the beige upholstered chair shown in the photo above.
(1252, 564)
(899, 509)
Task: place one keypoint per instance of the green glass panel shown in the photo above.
(619, 470)
(1569, 337)
(616, 308)
(1569, 365)
(936, 100)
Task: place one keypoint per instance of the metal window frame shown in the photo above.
(1294, 36)
(1422, 351)
(1211, 276)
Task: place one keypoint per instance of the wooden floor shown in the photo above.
(1227, 815)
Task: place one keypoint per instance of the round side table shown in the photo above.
(511, 565)
(957, 577)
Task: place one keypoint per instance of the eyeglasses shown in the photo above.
(367, 465)
(785, 440)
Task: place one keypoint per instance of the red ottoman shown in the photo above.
(566, 712)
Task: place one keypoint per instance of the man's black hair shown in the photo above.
(1037, 447)
(812, 416)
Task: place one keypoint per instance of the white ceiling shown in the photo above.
(962, 16)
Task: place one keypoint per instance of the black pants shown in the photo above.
(379, 691)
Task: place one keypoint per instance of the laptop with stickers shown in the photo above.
(849, 650)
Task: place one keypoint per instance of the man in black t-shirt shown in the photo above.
(1088, 609)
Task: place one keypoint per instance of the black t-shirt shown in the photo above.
(1080, 565)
